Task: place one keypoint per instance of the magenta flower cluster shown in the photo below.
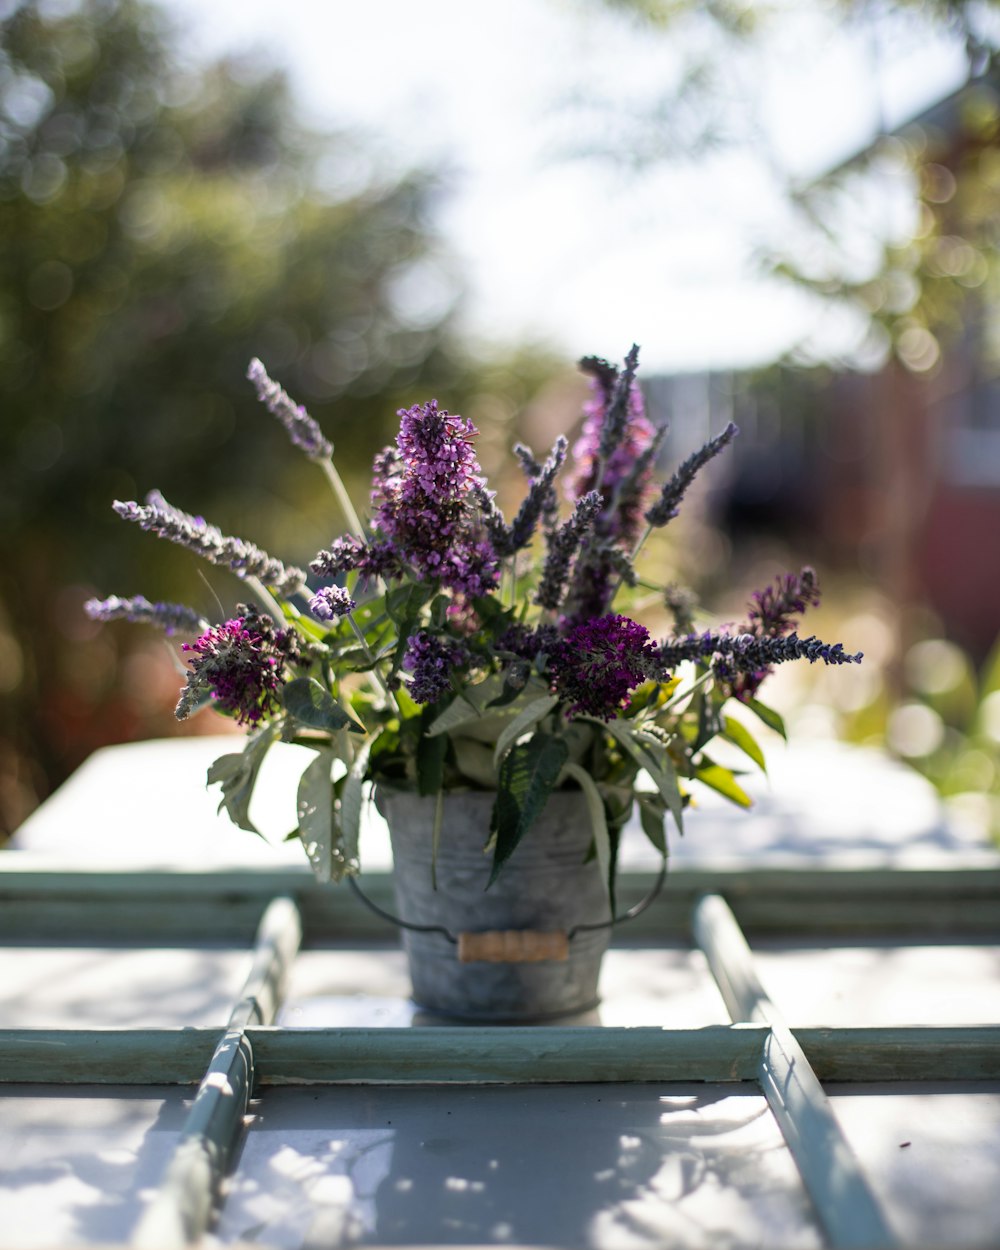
(599, 662)
(240, 666)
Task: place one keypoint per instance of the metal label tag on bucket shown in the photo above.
(513, 946)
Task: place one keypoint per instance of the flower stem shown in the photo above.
(266, 598)
(641, 543)
(635, 551)
(374, 672)
(343, 498)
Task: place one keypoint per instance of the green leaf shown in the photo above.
(652, 815)
(522, 722)
(403, 603)
(314, 807)
(439, 611)
(651, 755)
(722, 780)
(527, 776)
(468, 706)
(407, 628)
(304, 625)
(474, 760)
(515, 678)
(737, 733)
(768, 715)
(237, 775)
(709, 720)
(431, 754)
(598, 819)
(351, 800)
(312, 705)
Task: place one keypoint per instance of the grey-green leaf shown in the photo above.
(351, 802)
(237, 775)
(314, 807)
(651, 755)
(313, 706)
(522, 722)
(652, 815)
(474, 761)
(598, 819)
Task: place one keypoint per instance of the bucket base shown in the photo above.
(442, 1015)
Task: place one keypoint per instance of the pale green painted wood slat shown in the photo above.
(166, 1056)
(76, 904)
(321, 1056)
(840, 1193)
(182, 1208)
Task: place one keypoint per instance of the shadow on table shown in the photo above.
(542, 1165)
(78, 1167)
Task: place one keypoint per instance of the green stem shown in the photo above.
(343, 498)
(266, 598)
(635, 552)
(681, 695)
(373, 672)
(641, 543)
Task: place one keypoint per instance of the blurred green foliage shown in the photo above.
(945, 723)
(915, 285)
(937, 285)
(160, 225)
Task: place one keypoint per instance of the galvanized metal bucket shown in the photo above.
(519, 951)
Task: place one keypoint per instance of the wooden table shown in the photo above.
(182, 1007)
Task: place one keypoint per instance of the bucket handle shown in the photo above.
(513, 946)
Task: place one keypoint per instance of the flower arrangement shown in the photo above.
(448, 648)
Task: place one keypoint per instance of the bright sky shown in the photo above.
(579, 253)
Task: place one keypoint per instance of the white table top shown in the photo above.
(147, 804)
(612, 1167)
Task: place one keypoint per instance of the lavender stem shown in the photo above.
(342, 497)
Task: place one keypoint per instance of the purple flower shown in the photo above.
(563, 544)
(528, 642)
(240, 666)
(302, 429)
(666, 507)
(436, 462)
(170, 617)
(598, 662)
(773, 613)
(623, 508)
(425, 501)
(331, 602)
(772, 609)
(741, 661)
(615, 456)
(430, 660)
(195, 533)
(349, 554)
(541, 499)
